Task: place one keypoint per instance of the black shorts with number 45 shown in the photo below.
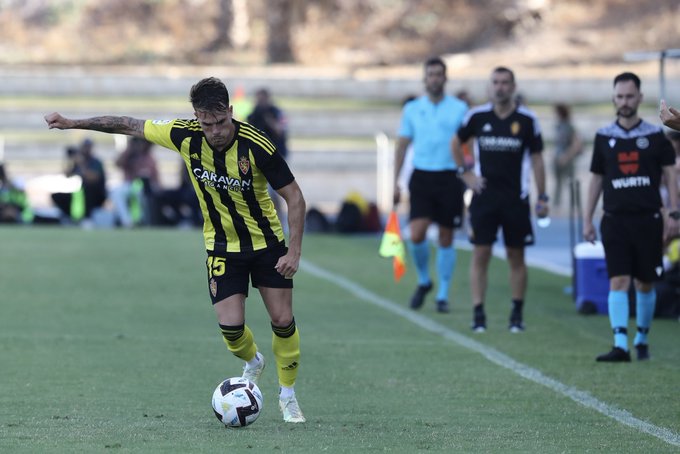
(231, 273)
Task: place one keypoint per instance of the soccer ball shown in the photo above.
(237, 402)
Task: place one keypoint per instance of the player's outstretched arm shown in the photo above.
(110, 124)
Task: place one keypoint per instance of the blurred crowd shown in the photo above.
(141, 200)
(87, 198)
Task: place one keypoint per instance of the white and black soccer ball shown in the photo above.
(237, 402)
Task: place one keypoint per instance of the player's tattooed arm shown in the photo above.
(111, 124)
(116, 125)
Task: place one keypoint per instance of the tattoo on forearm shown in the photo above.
(112, 124)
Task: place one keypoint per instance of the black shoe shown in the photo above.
(617, 355)
(642, 352)
(516, 325)
(479, 323)
(443, 307)
(418, 297)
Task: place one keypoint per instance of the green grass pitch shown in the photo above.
(108, 343)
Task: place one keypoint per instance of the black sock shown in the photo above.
(517, 305)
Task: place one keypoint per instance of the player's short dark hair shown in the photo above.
(627, 76)
(209, 95)
(435, 61)
(504, 69)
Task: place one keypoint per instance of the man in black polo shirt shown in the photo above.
(629, 157)
(508, 144)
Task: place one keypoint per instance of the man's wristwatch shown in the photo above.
(675, 214)
(543, 197)
(460, 170)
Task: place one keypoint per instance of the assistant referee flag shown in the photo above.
(392, 245)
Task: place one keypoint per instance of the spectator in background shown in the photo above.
(78, 206)
(268, 118)
(568, 145)
(133, 198)
(436, 194)
(14, 206)
(178, 206)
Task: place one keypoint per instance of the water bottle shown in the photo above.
(543, 222)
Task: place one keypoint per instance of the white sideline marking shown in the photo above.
(493, 355)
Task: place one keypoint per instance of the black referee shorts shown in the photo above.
(437, 196)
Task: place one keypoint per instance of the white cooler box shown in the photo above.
(591, 279)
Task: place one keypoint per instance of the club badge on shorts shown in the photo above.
(213, 287)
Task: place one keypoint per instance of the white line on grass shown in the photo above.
(493, 355)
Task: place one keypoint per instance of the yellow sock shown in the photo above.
(286, 347)
(240, 341)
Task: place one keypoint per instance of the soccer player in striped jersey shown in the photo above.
(230, 163)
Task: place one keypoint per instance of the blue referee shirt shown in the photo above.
(431, 128)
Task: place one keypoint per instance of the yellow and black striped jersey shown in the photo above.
(231, 186)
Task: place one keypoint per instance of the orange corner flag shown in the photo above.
(392, 245)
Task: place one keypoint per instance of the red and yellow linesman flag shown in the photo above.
(392, 245)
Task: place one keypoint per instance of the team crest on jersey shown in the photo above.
(628, 162)
(642, 143)
(243, 164)
(213, 287)
(514, 128)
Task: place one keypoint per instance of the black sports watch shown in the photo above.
(543, 197)
(675, 214)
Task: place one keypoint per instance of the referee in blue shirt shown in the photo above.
(428, 124)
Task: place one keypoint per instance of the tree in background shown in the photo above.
(223, 25)
(279, 23)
